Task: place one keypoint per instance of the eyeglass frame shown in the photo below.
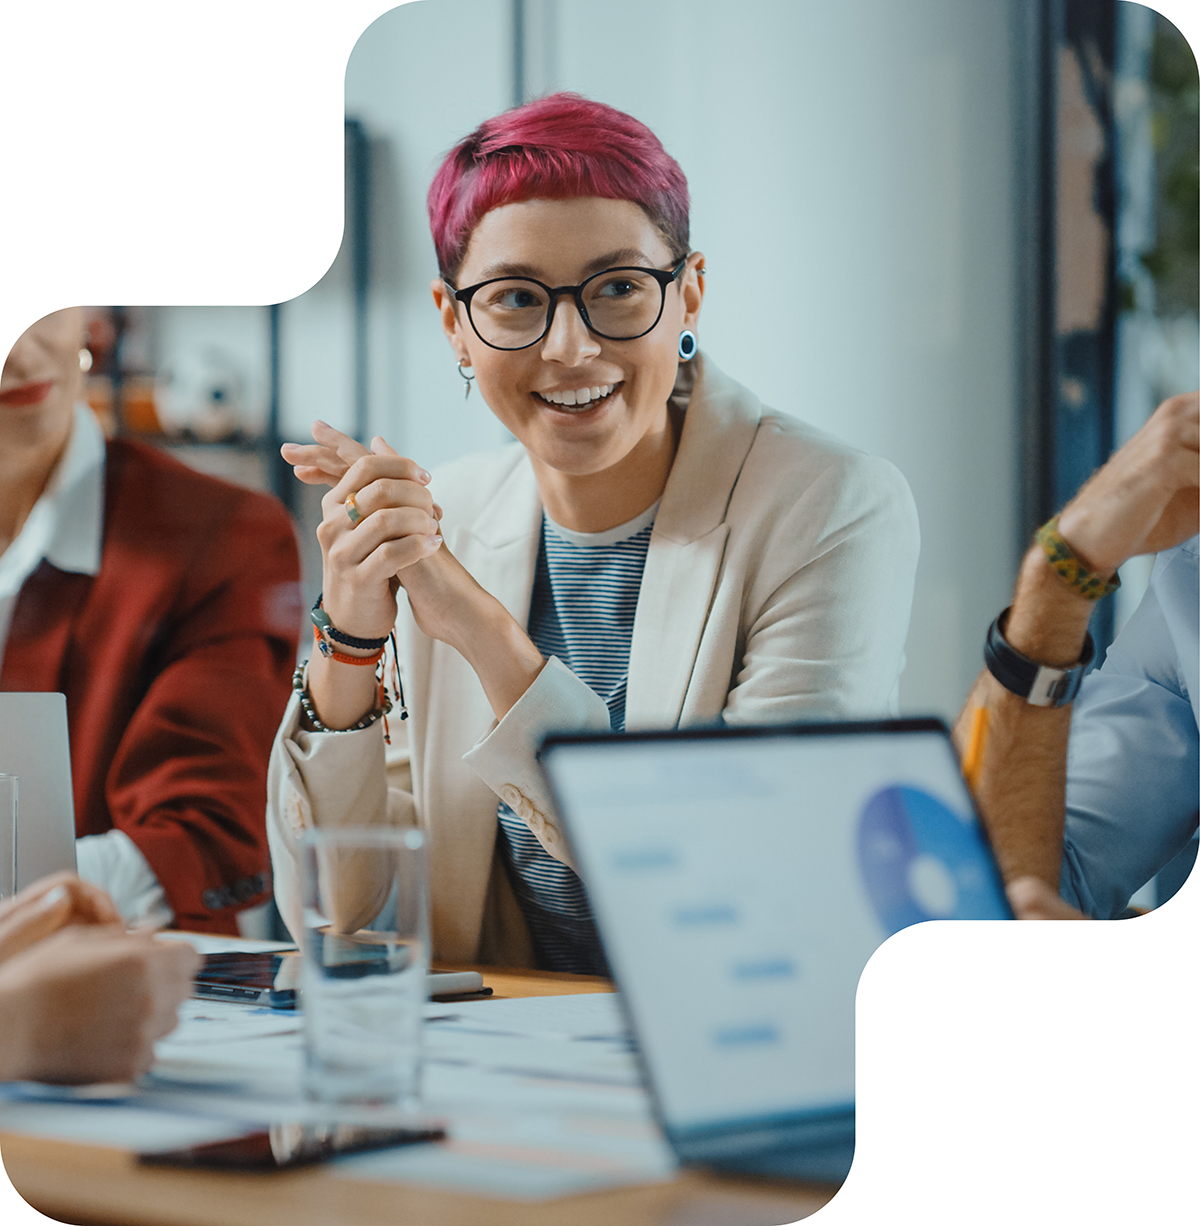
(664, 277)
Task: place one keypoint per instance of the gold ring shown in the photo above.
(353, 512)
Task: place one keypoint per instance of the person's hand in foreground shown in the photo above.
(82, 1000)
(52, 903)
(1033, 899)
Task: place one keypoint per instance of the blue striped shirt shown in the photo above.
(585, 594)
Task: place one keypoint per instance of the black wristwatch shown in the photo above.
(1038, 685)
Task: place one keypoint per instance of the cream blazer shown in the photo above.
(778, 585)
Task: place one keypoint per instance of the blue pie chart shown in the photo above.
(921, 861)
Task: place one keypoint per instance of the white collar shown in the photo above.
(66, 525)
(612, 536)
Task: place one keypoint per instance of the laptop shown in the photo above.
(34, 747)
(740, 879)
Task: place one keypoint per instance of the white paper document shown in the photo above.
(541, 1097)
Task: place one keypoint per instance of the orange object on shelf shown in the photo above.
(139, 413)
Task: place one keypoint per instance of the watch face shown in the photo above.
(920, 860)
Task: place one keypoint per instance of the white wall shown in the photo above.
(851, 167)
(421, 77)
(850, 170)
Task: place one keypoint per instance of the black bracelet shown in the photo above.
(1038, 684)
(320, 619)
(300, 685)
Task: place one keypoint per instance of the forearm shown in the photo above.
(341, 693)
(1020, 780)
(449, 605)
(502, 655)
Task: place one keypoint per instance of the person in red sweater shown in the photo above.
(165, 604)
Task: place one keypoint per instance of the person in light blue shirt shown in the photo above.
(1134, 756)
(1091, 806)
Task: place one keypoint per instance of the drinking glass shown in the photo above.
(366, 953)
(8, 835)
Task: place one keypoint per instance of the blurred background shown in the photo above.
(961, 236)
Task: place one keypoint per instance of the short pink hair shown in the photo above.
(556, 148)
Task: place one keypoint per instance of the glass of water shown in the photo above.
(8, 835)
(366, 953)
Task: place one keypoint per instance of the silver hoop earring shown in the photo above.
(468, 379)
(687, 345)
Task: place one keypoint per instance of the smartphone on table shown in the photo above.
(291, 1144)
(273, 979)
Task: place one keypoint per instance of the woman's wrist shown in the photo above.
(341, 694)
(502, 655)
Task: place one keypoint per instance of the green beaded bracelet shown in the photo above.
(1069, 568)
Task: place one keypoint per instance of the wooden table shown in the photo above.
(98, 1186)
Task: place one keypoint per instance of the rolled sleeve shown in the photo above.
(506, 758)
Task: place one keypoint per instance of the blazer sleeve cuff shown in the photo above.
(506, 758)
(326, 780)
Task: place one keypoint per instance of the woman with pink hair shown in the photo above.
(656, 548)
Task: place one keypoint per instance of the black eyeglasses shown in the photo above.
(618, 304)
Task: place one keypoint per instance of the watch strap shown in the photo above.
(1038, 684)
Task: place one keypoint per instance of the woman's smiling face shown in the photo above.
(562, 242)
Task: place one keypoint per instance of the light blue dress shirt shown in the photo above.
(1133, 766)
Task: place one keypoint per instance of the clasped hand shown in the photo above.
(396, 541)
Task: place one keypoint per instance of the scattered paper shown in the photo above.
(593, 1015)
(225, 945)
(541, 1097)
(220, 1021)
(130, 1125)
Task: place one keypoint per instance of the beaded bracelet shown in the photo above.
(300, 685)
(1069, 568)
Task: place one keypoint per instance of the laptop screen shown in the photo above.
(34, 747)
(741, 879)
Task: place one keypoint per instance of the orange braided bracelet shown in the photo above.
(327, 649)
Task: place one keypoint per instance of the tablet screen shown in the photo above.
(741, 882)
